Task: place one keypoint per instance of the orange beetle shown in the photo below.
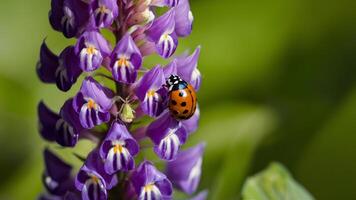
(182, 98)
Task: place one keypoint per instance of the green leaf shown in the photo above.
(274, 183)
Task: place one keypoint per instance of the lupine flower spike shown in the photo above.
(136, 102)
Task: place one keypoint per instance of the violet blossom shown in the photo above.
(57, 179)
(117, 92)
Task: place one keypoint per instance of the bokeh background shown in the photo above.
(279, 84)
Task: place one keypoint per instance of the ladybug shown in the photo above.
(182, 99)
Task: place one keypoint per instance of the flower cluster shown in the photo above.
(121, 106)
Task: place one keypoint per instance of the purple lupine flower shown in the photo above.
(104, 11)
(68, 127)
(47, 122)
(47, 64)
(63, 128)
(126, 59)
(92, 179)
(93, 103)
(138, 33)
(185, 170)
(118, 149)
(162, 33)
(183, 18)
(69, 16)
(68, 70)
(168, 135)
(91, 49)
(57, 175)
(187, 68)
(150, 183)
(62, 70)
(150, 91)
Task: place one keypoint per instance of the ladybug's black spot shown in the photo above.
(183, 103)
(173, 102)
(175, 112)
(185, 111)
(181, 94)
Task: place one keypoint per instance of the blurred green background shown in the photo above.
(279, 84)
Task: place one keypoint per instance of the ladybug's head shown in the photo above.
(174, 82)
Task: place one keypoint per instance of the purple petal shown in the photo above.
(153, 104)
(62, 70)
(68, 71)
(168, 136)
(101, 95)
(69, 16)
(91, 184)
(91, 49)
(94, 161)
(185, 170)
(149, 91)
(92, 116)
(170, 69)
(68, 113)
(172, 3)
(169, 146)
(47, 122)
(161, 32)
(68, 128)
(94, 168)
(187, 68)
(148, 181)
(55, 128)
(118, 149)
(93, 103)
(118, 158)
(47, 64)
(161, 25)
(55, 14)
(65, 134)
(167, 44)
(94, 190)
(125, 60)
(105, 11)
(57, 176)
(161, 127)
(165, 187)
(55, 167)
(151, 80)
(183, 19)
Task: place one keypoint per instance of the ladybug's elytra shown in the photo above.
(182, 98)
